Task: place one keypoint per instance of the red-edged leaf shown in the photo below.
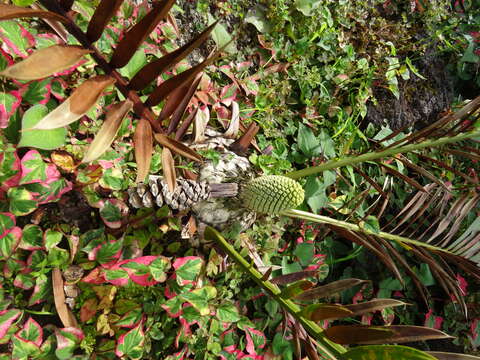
(187, 269)
(67, 340)
(102, 15)
(31, 331)
(130, 344)
(7, 317)
(151, 71)
(143, 144)
(8, 12)
(137, 35)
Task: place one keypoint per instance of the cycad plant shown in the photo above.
(273, 195)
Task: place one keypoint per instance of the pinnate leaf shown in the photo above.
(108, 131)
(143, 143)
(77, 105)
(45, 62)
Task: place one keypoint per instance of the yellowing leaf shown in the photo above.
(45, 62)
(108, 131)
(143, 143)
(72, 109)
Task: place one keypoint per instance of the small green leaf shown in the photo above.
(41, 139)
(228, 313)
(21, 201)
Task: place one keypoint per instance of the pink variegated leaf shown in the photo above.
(7, 318)
(138, 270)
(112, 212)
(31, 331)
(9, 103)
(106, 252)
(117, 277)
(24, 281)
(10, 242)
(228, 94)
(7, 223)
(24, 349)
(187, 269)
(255, 340)
(10, 168)
(173, 306)
(130, 319)
(67, 340)
(41, 290)
(96, 277)
(130, 344)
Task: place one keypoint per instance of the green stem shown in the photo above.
(332, 164)
(304, 215)
(331, 349)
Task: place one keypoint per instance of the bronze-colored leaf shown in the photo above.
(310, 350)
(240, 146)
(152, 70)
(178, 104)
(45, 62)
(267, 274)
(320, 312)
(186, 124)
(452, 356)
(373, 305)
(137, 35)
(72, 109)
(102, 15)
(108, 131)
(168, 167)
(371, 335)
(143, 143)
(8, 12)
(63, 311)
(166, 88)
(296, 289)
(177, 147)
(289, 278)
(329, 289)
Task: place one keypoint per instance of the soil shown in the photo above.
(420, 102)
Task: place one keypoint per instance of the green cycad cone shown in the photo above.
(272, 194)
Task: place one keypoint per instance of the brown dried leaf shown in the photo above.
(329, 289)
(372, 335)
(177, 147)
(199, 126)
(451, 356)
(168, 166)
(152, 70)
(45, 62)
(166, 88)
(292, 277)
(143, 144)
(296, 289)
(398, 174)
(102, 15)
(373, 305)
(63, 311)
(8, 12)
(137, 35)
(108, 131)
(179, 108)
(72, 109)
(88, 309)
(234, 125)
(320, 312)
(186, 124)
(240, 146)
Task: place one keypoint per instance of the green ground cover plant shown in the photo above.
(95, 96)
